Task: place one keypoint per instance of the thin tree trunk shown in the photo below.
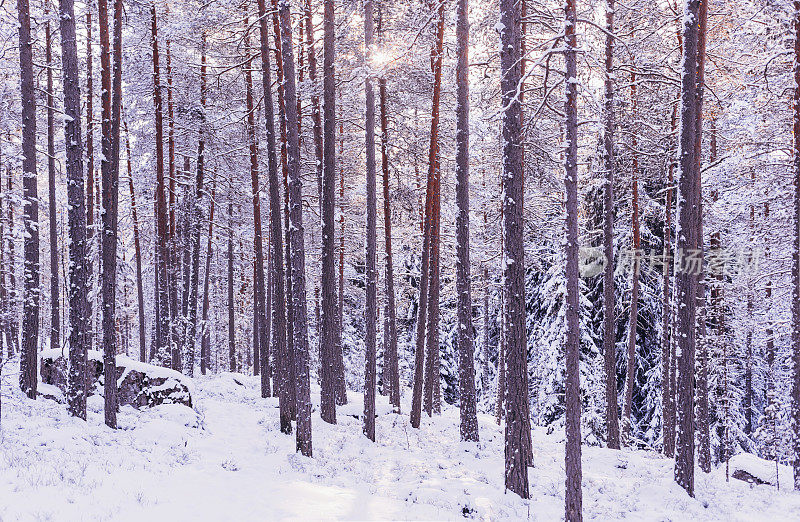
(341, 384)
(633, 319)
(197, 212)
(609, 321)
(12, 309)
(422, 308)
(173, 248)
(371, 311)
(392, 370)
(30, 219)
(55, 294)
(516, 469)
(296, 236)
(79, 336)
(205, 340)
(796, 255)
(466, 347)
(327, 162)
(279, 348)
(137, 250)
(5, 338)
(259, 287)
(231, 312)
(687, 240)
(573, 501)
(90, 181)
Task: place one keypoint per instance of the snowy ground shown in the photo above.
(228, 461)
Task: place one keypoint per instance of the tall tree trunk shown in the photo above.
(422, 306)
(259, 288)
(232, 366)
(290, 349)
(687, 240)
(573, 501)
(55, 294)
(516, 394)
(330, 327)
(110, 169)
(197, 212)
(30, 220)
(173, 246)
(466, 347)
(137, 249)
(5, 338)
(90, 177)
(633, 318)
(296, 236)
(279, 348)
(432, 366)
(371, 311)
(609, 322)
(79, 336)
(392, 370)
(12, 317)
(341, 384)
(205, 335)
(667, 355)
(316, 118)
(704, 437)
(796, 255)
(162, 344)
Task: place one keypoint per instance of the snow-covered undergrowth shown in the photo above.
(228, 461)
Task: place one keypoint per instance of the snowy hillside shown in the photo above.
(228, 461)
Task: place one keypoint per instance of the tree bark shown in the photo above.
(259, 287)
(278, 277)
(704, 450)
(90, 176)
(432, 364)
(197, 212)
(79, 336)
(371, 311)
(341, 384)
(55, 294)
(162, 343)
(687, 243)
(466, 347)
(232, 366)
(392, 371)
(205, 342)
(296, 236)
(109, 167)
(290, 349)
(137, 250)
(796, 254)
(633, 319)
(30, 219)
(609, 321)
(573, 502)
(326, 160)
(516, 394)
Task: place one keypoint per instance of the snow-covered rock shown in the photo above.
(138, 384)
(749, 468)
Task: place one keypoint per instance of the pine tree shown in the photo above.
(79, 312)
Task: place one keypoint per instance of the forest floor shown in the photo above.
(227, 460)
